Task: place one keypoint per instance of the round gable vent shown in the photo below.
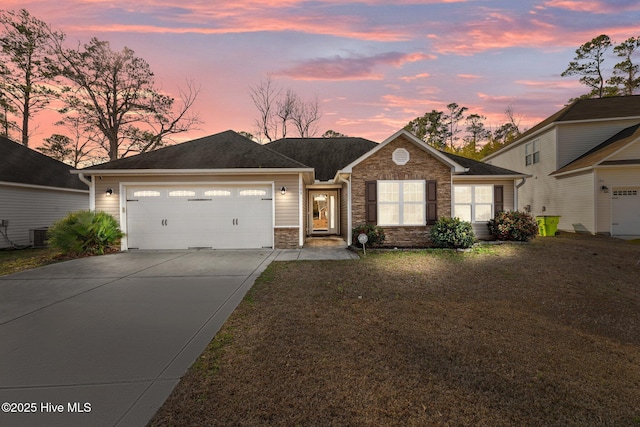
(400, 156)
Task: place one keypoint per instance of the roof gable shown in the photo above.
(603, 151)
(325, 155)
(225, 150)
(455, 167)
(22, 165)
(593, 109)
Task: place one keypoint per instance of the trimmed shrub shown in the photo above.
(513, 225)
(452, 233)
(374, 233)
(85, 233)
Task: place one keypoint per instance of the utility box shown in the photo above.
(547, 225)
(38, 237)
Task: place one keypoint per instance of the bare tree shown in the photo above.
(24, 47)
(278, 108)
(115, 92)
(306, 116)
(286, 107)
(264, 96)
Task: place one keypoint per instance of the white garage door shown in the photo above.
(626, 212)
(211, 216)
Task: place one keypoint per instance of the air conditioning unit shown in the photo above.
(38, 237)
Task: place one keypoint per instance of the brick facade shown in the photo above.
(421, 166)
(287, 238)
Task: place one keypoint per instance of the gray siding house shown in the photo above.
(35, 191)
(583, 164)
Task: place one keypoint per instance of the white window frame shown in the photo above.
(532, 153)
(474, 203)
(401, 203)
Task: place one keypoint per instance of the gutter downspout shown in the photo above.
(515, 191)
(349, 219)
(92, 191)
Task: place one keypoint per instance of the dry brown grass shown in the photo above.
(546, 334)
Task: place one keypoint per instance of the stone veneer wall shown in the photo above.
(287, 238)
(421, 165)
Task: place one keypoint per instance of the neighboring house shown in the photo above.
(35, 191)
(583, 164)
(227, 192)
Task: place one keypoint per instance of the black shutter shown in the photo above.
(371, 202)
(498, 199)
(432, 202)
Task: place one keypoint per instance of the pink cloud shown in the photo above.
(593, 6)
(355, 67)
(469, 76)
(409, 79)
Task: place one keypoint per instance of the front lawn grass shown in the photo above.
(546, 334)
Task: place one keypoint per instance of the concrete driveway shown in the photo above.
(102, 341)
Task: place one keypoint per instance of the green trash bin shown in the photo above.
(547, 225)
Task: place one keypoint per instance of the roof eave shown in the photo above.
(489, 177)
(231, 171)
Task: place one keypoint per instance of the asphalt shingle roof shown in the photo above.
(477, 168)
(225, 150)
(591, 109)
(326, 155)
(22, 165)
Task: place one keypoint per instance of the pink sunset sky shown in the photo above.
(373, 64)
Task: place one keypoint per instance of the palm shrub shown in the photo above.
(85, 233)
(513, 225)
(374, 233)
(452, 233)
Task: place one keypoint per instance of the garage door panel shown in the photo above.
(223, 217)
(625, 212)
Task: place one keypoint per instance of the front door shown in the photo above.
(323, 212)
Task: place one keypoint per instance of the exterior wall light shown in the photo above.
(109, 192)
(604, 189)
(283, 190)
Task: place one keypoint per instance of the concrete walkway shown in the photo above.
(102, 341)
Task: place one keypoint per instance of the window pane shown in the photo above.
(146, 193)
(245, 193)
(463, 212)
(536, 157)
(413, 191)
(182, 193)
(388, 191)
(389, 214)
(413, 214)
(484, 194)
(462, 194)
(483, 213)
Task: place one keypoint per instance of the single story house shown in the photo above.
(35, 191)
(225, 191)
(584, 164)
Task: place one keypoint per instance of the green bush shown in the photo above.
(85, 233)
(452, 233)
(374, 233)
(513, 225)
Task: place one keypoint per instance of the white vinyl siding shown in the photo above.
(401, 203)
(630, 152)
(574, 203)
(28, 208)
(578, 138)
